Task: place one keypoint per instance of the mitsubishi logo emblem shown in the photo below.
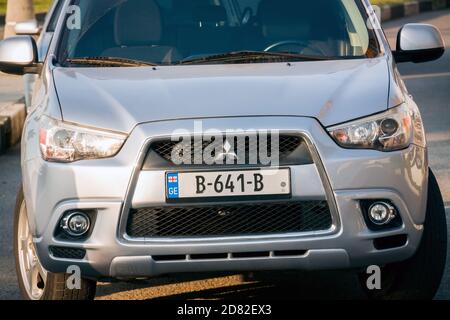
(227, 154)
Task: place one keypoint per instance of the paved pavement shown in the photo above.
(429, 83)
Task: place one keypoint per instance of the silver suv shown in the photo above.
(170, 136)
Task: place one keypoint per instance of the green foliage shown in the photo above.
(39, 5)
(382, 2)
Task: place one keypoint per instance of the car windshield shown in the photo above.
(170, 32)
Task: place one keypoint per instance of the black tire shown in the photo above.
(419, 277)
(56, 289)
(55, 285)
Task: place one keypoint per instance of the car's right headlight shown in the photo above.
(392, 130)
(63, 142)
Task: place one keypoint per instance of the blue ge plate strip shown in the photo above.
(172, 186)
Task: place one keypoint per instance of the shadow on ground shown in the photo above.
(263, 285)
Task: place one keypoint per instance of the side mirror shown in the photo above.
(18, 55)
(29, 27)
(417, 42)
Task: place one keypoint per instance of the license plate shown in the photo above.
(212, 184)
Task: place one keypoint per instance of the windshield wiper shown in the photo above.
(109, 61)
(240, 56)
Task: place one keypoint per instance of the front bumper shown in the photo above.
(113, 186)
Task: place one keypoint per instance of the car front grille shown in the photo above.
(292, 150)
(229, 220)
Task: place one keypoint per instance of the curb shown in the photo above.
(412, 8)
(12, 118)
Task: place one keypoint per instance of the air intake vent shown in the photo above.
(232, 220)
(68, 253)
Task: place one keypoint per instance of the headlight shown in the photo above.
(392, 130)
(62, 142)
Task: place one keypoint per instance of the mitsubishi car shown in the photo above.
(175, 136)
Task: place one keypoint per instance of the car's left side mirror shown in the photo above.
(29, 27)
(417, 42)
(18, 55)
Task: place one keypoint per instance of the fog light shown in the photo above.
(381, 213)
(76, 223)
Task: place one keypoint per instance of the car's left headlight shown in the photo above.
(63, 142)
(392, 130)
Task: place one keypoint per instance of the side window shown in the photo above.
(356, 27)
(55, 15)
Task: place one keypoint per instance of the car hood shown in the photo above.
(120, 98)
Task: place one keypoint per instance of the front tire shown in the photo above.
(35, 282)
(419, 277)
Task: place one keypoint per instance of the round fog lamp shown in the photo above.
(381, 213)
(76, 223)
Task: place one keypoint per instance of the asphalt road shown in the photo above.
(430, 85)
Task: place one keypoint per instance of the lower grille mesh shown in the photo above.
(232, 220)
(68, 253)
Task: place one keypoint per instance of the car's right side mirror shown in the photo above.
(417, 42)
(18, 55)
